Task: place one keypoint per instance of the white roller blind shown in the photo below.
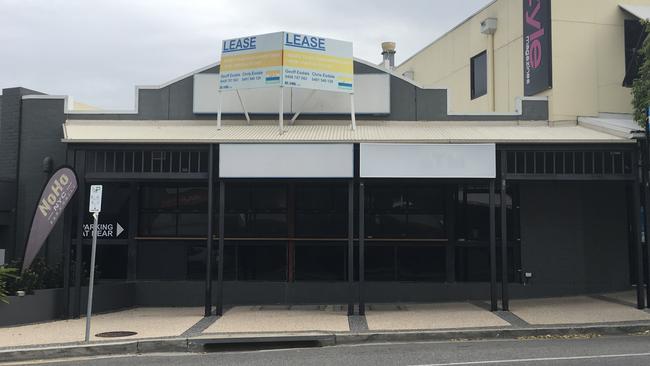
(286, 161)
(428, 161)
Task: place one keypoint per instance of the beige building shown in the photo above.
(589, 42)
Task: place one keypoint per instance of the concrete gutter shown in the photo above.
(216, 343)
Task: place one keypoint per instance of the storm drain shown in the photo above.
(116, 334)
(257, 346)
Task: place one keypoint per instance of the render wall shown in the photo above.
(588, 59)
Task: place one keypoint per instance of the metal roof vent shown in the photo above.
(388, 51)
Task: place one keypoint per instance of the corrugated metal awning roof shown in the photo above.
(204, 131)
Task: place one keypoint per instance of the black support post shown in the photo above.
(504, 237)
(81, 214)
(132, 258)
(222, 234)
(450, 226)
(636, 233)
(646, 190)
(67, 246)
(209, 243)
(493, 251)
(362, 249)
(351, 247)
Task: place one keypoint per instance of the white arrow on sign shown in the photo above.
(120, 229)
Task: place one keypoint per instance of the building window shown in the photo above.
(479, 75)
(173, 211)
(634, 36)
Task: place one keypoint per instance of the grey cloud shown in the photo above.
(97, 51)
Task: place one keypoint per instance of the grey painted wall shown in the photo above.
(408, 103)
(574, 237)
(41, 135)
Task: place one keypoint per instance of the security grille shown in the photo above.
(569, 163)
(147, 161)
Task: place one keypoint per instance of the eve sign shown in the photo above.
(538, 74)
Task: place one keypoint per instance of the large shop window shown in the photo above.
(479, 75)
(403, 211)
(173, 211)
(473, 233)
(406, 232)
(256, 210)
(112, 243)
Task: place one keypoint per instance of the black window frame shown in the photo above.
(474, 93)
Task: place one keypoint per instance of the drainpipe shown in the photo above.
(489, 27)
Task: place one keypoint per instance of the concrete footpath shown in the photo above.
(156, 330)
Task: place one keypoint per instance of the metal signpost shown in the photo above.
(95, 206)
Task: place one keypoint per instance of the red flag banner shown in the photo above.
(56, 195)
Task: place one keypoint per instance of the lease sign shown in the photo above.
(538, 75)
(286, 59)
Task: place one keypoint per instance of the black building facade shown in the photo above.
(559, 215)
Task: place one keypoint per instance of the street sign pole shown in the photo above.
(95, 207)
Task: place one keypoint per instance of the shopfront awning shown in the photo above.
(204, 131)
(640, 11)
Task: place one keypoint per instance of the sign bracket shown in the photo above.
(352, 113)
(281, 110)
(295, 116)
(219, 109)
(241, 101)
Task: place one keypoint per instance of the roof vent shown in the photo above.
(388, 51)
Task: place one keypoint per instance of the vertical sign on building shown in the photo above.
(538, 74)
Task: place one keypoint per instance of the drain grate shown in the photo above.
(116, 334)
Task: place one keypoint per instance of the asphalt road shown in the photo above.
(628, 350)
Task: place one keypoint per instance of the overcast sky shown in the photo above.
(97, 51)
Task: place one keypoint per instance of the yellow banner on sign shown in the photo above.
(314, 61)
(251, 61)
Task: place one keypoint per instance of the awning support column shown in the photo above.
(645, 170)
(222, 234)
(636, 233)
(81, 214)
(351, 247)
(209, 243)
(362, 235)
(504, 237)
(493, 251)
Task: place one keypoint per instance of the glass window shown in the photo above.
(262, 261)
(321, 210)
(421, 263)
(634, 36)
(320, 262)
(406, 211)
(193, 198)
(157, 224)
(479, 75)
(110, 261)
(380, 262)
(173, 210)
(158, 197)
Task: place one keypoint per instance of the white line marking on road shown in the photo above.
(541, 359)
